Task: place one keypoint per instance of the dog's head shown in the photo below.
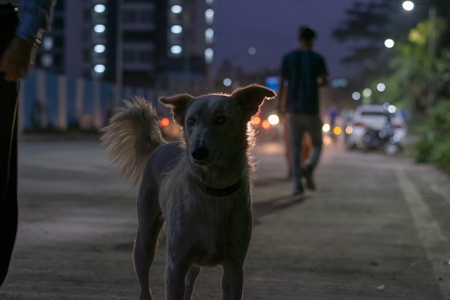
(215, 125)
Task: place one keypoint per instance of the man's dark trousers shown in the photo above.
(8, 150)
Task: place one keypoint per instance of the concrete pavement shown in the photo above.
(377, 228)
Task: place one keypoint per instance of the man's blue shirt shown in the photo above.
(302, 70)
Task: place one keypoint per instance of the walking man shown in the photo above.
(19, 37)
(303, 71)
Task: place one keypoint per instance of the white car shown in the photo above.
(375, 117)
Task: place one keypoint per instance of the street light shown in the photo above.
(252, 50)
(227, 82)
(389, 43)
(408, 5)
(356, 96)
(381, 87)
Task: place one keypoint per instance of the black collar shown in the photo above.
(219, 192)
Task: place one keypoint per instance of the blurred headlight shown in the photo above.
(326, 127)
(164, 122)
(265, 124)
(273, 119)
(349, 129)
(337, 130)
(256, 120)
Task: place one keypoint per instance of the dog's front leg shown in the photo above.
(232, 281)
(175, 279)
(190, 280)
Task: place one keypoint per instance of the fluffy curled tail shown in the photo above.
(132, 134)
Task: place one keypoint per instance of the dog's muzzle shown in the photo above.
(200, 154)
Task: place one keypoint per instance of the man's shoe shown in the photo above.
(309, 179)
(289, 174)
(298, 190)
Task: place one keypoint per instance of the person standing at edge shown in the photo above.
(19, 38)
(304, 71)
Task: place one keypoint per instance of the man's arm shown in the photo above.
(281, 95)
(323, 80)
(18, 58)
(35, 16)
(323, 70)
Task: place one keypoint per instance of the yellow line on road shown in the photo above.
(433, 240)
(443, 191)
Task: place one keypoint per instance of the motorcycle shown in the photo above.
(384, 139)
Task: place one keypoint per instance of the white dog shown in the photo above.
(199, 186)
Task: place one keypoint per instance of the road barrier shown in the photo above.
(56, 101)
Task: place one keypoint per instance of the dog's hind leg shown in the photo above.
(144, 253)
(150, 223)
(190, 280)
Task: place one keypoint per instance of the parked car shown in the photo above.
(370, 116)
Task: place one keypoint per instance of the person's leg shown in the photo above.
(287, 145)
(8, 155)
(314, 127)
(296, 135)
(307, 148)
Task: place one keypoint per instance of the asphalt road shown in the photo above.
(377, 228)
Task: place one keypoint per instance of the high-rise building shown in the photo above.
(190, 41)
(151, 43)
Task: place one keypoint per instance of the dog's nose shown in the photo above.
(200, 153)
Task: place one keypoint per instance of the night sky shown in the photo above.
(271, 27)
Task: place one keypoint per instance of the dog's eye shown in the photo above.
(221, 120)
(191, 122)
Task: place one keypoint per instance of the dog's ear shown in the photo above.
(251, 97)
(179, 105)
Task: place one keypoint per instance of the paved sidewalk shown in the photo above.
(377, 228)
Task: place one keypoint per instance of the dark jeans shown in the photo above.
(298, 125)
(8, 151)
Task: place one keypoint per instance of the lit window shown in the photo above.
(99, 68)
(209, 16)
(176, 49)
(47, 43)
(209, 55)
(47, 60)
(99, 8)
(209, 36)
(99, 28)
(176, 9)
(176, 29)
(99, 48)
